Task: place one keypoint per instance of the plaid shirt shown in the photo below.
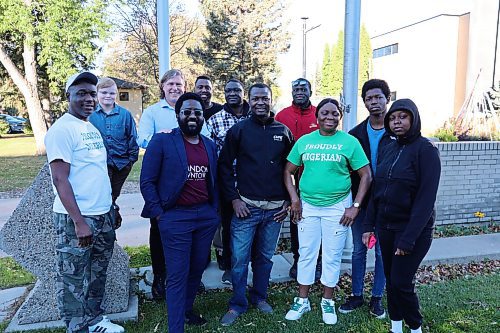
(220, 123)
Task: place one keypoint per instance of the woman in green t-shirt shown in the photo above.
(325, 209)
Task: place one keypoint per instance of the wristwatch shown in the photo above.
(356, 205)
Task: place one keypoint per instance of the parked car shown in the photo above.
(16, 124)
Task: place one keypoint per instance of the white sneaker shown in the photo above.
(328, 310)
(106, 326)
(299, 307)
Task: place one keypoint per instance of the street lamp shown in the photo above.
(304, 45)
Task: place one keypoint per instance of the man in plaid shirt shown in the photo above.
(235, 110)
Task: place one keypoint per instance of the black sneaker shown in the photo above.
(376, 307)
(158, 289)
(351, 304)
(194, 319)
(293, 271)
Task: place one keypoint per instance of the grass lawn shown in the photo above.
(462, 305)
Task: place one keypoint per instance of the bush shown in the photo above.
(445, 135)
(4, 127)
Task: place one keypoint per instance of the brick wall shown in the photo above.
(470, 182)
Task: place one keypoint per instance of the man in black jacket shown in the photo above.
(371, 134)
(260, 146)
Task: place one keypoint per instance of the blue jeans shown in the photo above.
(263, 231)
(359, 261)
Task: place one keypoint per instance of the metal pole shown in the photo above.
(162, 17)
(496, 49)
(351, 61)
(304, 46)
(350, 89)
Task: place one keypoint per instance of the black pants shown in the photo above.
(402, 300)
(226, 216)
(156, 250)
(117, 178)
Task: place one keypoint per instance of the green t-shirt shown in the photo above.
(325, 180)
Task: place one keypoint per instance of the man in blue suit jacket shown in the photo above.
(179, 186)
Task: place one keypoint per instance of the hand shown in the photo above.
(366, 238)
(296, 211)
(400, 252)
(83, 233)
(282, 214)
(240, 208)
(118, 219)
(349, 215)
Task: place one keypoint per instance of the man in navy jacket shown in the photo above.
(178, 183)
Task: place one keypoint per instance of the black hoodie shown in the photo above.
(404, 189)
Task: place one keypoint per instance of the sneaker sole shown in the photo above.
(382, 316)
(345, 311)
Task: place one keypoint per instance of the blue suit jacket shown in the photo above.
(165, 171)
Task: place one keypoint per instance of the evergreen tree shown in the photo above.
(324, 85)
(365, 57)
(241, 42)
(337, 68)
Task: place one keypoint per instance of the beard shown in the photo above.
(190, 130)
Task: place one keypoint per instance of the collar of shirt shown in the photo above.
(115, 110)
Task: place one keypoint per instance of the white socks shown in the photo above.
(397, 326)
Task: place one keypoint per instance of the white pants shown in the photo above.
(321, 225)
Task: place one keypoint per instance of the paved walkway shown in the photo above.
(135, 231)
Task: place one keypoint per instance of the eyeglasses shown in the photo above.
(299, 82)
(187, 112)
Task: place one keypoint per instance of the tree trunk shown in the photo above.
(28, 87)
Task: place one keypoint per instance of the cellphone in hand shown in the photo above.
(371, 241)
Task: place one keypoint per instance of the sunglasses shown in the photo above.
(187, 112)
(299, 82)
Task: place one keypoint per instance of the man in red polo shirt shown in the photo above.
(300, 118)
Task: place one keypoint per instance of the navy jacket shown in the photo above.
(360, 133)
(405, 186)
(165, 171)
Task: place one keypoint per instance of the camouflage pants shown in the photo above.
(81, 272)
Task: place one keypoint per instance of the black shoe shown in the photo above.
(158, 289)
(376, 307)
(351, 304)
(293, 271)
(201, 288)
(194, 319)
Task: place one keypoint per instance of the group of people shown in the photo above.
(231, 174)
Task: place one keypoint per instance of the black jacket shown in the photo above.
(404, 189)
(360, 133)
(260, 151)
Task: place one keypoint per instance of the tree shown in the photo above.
(134, 55)
(57, 38)
(242, 41)
(333, 64)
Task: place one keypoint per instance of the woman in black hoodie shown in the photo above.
(402, 209)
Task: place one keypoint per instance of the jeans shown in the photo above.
(402, 300)
(359, 261)
(117, 178)
(261, 230)
(186, 234)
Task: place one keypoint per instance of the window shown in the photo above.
(124, 96)
(386, 50)
(393, 96)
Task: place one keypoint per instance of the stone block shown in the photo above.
(29, 237)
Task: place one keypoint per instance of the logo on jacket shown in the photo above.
(278, 138)
(313, 125)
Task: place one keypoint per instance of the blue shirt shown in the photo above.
(374, 136)
(119, 134)
(156, 118)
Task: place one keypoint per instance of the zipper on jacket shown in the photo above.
(389, 174)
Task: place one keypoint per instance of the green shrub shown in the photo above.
(4, 127)
(445, 135)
